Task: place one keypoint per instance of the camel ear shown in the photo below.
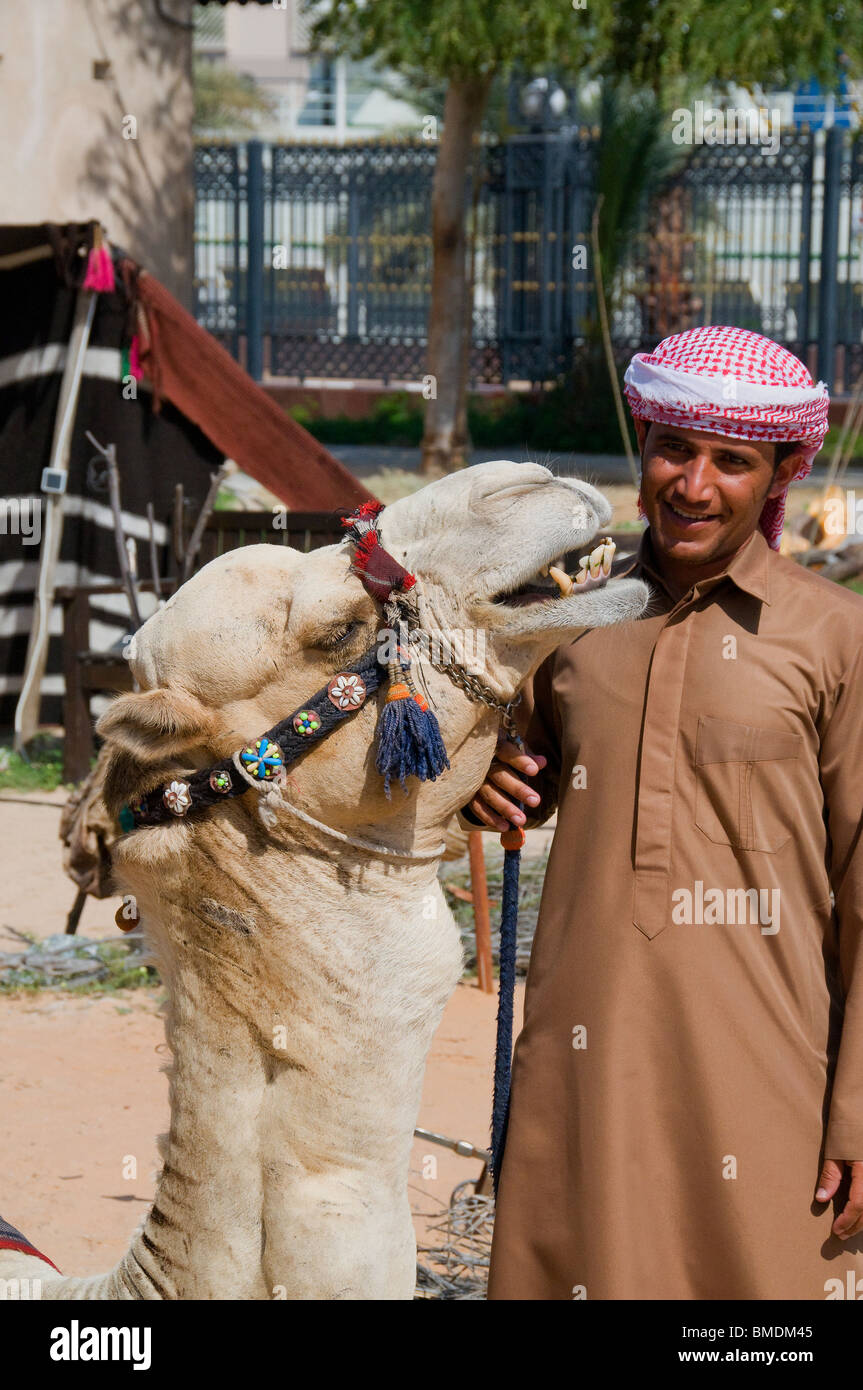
(156, 725)
(144, 730)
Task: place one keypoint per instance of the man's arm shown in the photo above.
(537, 721)
(840, 761)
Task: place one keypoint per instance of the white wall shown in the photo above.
(63, 157)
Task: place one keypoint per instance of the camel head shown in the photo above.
(258, 630)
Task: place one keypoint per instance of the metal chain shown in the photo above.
(403, 611)
(477, 690)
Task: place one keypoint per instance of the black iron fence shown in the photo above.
(315, 260)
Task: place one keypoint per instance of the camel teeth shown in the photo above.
(608, 551)
(561, 579)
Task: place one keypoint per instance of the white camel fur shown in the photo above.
(306, 977)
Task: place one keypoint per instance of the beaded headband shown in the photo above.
(409, 739)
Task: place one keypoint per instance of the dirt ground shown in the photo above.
(82, 1093)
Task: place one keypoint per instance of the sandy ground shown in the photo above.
(82, 1094)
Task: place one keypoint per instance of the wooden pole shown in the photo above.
(109, 454)
(482, 920)
(216, 480)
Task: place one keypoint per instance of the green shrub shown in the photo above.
(576, 415)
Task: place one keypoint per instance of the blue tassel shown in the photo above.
(506, 994)
(409, 743)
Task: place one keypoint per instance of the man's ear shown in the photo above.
(641, 428)
(785, 473)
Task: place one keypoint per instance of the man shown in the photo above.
(687, 1105)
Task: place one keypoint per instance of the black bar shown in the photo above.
(255, 262)
(827, 297)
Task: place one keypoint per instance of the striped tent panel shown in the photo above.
(154, 453)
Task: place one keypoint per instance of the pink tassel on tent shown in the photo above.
(100, 267)
(135, 359)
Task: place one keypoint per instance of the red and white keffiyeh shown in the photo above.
(734, 383)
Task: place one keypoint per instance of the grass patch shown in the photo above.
(392, 483)
(41, 770)
(74, 965)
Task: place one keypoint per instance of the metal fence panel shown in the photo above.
(342, 255)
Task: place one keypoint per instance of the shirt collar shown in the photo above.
(748, 570)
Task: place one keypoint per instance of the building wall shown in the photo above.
(63, 156)
(268, 43)
(271, 44)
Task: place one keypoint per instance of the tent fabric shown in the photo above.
(202, 380)
(34, 332)
(40, 268)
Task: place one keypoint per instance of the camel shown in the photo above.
(306, 973)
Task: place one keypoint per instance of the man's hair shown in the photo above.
(783, 450)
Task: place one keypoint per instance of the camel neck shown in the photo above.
(298, 1025)
(202, 1237)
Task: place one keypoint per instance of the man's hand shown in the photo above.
(849, 1222)
(492, 804)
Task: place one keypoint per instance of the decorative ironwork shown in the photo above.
(346, 253)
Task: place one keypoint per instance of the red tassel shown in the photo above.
(364, 512)
(365, 546)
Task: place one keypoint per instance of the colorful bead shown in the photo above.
(126, 818)
(347, 690)
(177, 797)
(306, 722)
(221, 781)
(262, 759)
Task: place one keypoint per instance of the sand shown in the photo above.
(83, 1096)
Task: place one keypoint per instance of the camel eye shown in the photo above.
(339, 636)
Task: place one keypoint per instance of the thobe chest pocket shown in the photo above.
(745, 784)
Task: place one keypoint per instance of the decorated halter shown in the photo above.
(409, 741)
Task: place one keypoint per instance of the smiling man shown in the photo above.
(687, 1106)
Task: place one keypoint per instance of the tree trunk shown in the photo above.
(463, 111)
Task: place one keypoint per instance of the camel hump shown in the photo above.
(12, 1239)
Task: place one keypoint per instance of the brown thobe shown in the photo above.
(691, 1051)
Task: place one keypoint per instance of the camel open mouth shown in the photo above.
(552, 582)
